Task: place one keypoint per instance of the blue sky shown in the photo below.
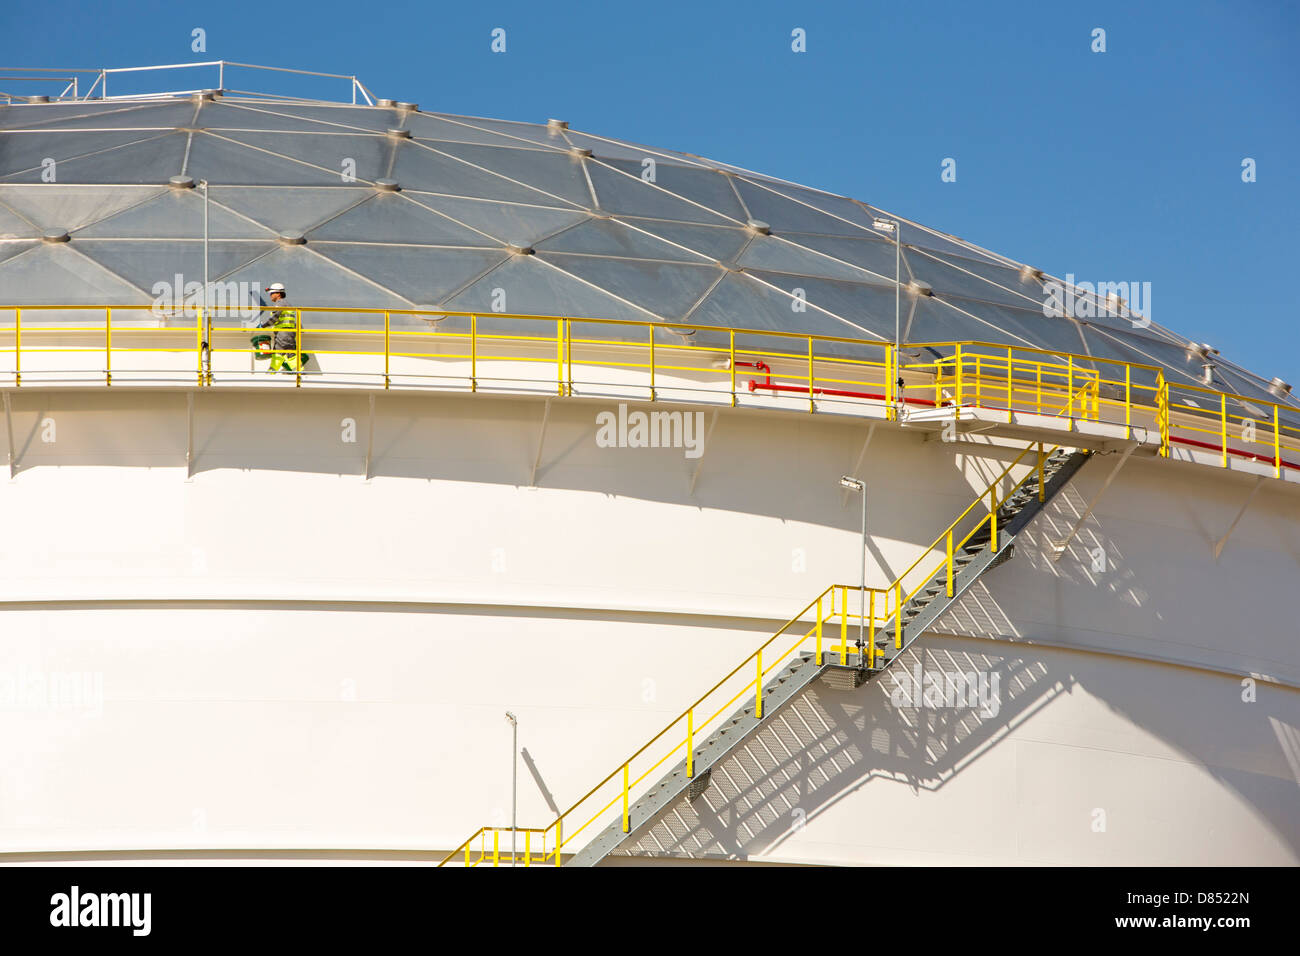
(1115, 166)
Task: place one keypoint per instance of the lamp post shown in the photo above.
(892, 226)
(514, 782)
(853, 484)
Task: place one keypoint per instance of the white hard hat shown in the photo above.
(275, 287)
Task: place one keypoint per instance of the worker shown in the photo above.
(285, 346)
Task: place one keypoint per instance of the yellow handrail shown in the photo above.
(894, 604)
(1042, 381)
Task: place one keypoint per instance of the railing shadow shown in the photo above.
(824, 745)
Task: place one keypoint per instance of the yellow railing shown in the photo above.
(948, 545)
(529, 847)
(649, 360)
(682, 734)
(877, 608)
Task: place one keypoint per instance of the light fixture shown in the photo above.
(892, 226)
(855, 484)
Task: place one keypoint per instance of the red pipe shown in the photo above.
(763, 366)
(1232, 451)
(754, 386)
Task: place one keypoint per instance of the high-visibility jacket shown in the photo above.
(284, 340)
(286, 322)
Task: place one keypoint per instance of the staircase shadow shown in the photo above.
(825, 744)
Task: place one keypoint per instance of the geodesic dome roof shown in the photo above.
(390, 207)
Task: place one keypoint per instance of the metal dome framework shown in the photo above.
(387, 206)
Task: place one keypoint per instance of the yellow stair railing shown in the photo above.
(877, 608)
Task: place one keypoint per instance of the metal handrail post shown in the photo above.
(1223, 426)
(733, 368)
(690, 739)
(1277, 446)
(812, 406)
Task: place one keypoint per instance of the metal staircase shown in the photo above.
(988, 546)
(980, 553)
(889, 621)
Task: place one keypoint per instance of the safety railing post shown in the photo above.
(652, 363)
(473, 353)
(626, 828)
(690, 741)
(496, 848)
(889, 391)
(559, 838)
(993, 519)
(1162, 412)
(979, 381)
(871, 632)
(559, 356)
(108, 346)
(1223, 426)
(1277, 446)
(1128, 400)
(898, 616)
(758, 688)
(297, 347)
(1069, 387)
(958, 375)
(198, 348)
(812, 405)
(528, 848)
(1042, 491)
(844, 626)
(1009, 393)
(819, 626)
(1038, 388)
(949, 588)
(387, 350)
(568, 356)
(733, 368)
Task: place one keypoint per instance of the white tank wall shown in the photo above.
(338, 679)
(1085, 760)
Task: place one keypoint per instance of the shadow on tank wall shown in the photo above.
(828, 748)
(780, 465)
